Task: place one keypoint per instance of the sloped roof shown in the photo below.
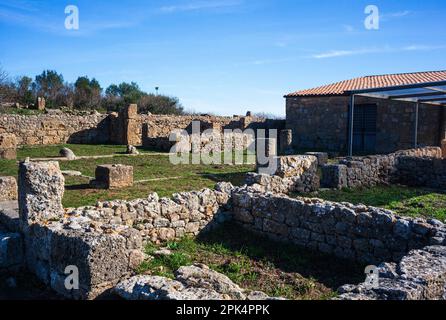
(369, 82)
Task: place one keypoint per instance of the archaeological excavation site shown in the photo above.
(92, 207)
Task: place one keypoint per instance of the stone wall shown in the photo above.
(353, 172)
(364, 234)
(126, 127)
(293, 174)
(161, 219)
(105, 241)
(426, 172)
(47, 129)
(321, 123)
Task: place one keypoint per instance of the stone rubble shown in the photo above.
(196, 282)
(420, 275)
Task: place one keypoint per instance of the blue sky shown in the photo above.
(222, 56)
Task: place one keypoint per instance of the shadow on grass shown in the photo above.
(379, 196)
(328, 270)
(78, 187)
(236, 178)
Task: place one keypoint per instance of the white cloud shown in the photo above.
(394, 15)
(354, 52)
(200, 5)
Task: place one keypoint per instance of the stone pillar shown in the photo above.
(285, 141)
(41, 189)
(268, 153)
(41, 103)
(130, 123)
(8, 146)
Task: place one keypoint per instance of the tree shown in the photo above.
(7, 91)
(49, 84)
(25, 93)
(159, 104)
(87, 93)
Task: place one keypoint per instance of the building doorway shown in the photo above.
(364, 128)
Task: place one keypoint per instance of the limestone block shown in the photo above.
(322, 157)
(8, 146)
(8, 189)
(114, 176)
(102, 260)
(285, 141)
(296, 166)
(41, 103)
(41, 189)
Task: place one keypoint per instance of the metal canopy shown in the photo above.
(431, 93)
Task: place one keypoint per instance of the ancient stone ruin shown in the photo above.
(106, 241)
(113, 176)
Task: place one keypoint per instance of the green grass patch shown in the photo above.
(257, 263)
(405, 201)
(78, 149)
(178, 178)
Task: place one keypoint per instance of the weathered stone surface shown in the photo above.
(203, 277)
(8, 145)
(355, 232)
(294, 174)
(132, 150)
(113, 176)
(8, 189)
(286, 141)
(420, 275)
(67, 153)
(41, 189)
(196, 282)
(322, 157)
(417, 167)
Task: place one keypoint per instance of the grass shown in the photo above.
(78, 149)
(256, 263)
(146, 167)
(24, 112)
(405, 201)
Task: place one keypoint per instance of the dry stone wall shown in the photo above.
(161, 219)
(293, 174)
(47, 129)
(360, 233)
(370, 171)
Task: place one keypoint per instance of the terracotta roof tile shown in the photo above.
(379, 81)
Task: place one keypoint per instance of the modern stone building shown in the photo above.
(390, 112)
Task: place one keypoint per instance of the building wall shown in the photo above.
(321, 123)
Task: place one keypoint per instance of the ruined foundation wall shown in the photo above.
(293, 174)
(360, 233)
(162, 219)
(353, 172)
(61, 128)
